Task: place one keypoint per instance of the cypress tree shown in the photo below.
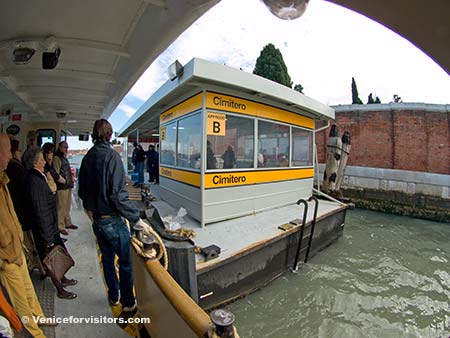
(270, 64)
(355, 96)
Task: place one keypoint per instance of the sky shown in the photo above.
(322, 50)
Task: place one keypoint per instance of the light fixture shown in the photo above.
(156, 135)
(287, 9)
(175, 70)
(22, 56)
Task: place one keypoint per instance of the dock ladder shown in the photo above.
(311, 233)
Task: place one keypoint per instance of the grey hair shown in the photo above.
(33, 156)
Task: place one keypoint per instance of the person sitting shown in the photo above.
(43, 219)
(211, 162)
(229, 159)
(282, 160)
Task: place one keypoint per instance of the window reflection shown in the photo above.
(236, 148)
(189, 142)
(273, 145)
(168, 143)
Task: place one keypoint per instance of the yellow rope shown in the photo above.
(151, 254)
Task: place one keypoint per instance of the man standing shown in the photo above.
(31, 144)
(64, 191)
(13, 268)
(105, 199)
(151, 153)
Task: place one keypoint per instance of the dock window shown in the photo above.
(168, 143)
(235, 149)
(189, 142)
(302, 147)
(273, 145)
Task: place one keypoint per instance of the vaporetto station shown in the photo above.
(231, 143)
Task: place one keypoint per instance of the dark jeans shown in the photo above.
(113, 239)
(140, 172)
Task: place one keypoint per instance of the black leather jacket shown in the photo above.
(101, 183)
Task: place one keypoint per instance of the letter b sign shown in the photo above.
(216, 124)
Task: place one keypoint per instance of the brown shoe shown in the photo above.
(64, 232)
(72, 226)
(64, 294)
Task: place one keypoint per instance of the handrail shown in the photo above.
(313, 225)
(196, 318)
(305, 214)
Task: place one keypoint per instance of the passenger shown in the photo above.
(282, 160)
(31, 144)
(17, 173)
(14, 275)
(139, 161)
(156, 165)
(211, 162)
(229, 159)
(261, 160)
(42, 216)
(150, 154)
(103, 191)
(64, 191)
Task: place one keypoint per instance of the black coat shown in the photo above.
(17, 173)
(42, 214)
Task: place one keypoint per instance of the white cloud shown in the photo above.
(127, 109)
(322, 50)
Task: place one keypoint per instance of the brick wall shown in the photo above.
(403, 136)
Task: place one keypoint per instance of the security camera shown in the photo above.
(23, 51)
(51, 53)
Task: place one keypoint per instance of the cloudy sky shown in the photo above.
(322, 50)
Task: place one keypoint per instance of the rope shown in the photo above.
(182, 232)
(151, 254)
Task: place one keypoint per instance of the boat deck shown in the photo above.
(241, 234)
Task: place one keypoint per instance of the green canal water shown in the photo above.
(388, 276)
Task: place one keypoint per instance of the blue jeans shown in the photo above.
(113, 239)
(140, 170)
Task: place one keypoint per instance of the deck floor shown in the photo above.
(235, 235)
(92, 299)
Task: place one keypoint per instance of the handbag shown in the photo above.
(58, 261)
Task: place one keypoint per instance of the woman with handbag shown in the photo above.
(44, 223)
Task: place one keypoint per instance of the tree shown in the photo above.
(396, 98)
(377, 99)
(270, 64)
(370, 99)
(355, 96)
(299, 88)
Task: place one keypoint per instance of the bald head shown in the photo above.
(5, 151)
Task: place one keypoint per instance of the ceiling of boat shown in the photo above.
(107, 44)
(425, 23)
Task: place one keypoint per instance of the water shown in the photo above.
(388, 276)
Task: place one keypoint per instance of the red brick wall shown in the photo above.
(406, 139)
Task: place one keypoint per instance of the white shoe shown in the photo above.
(130, 308)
